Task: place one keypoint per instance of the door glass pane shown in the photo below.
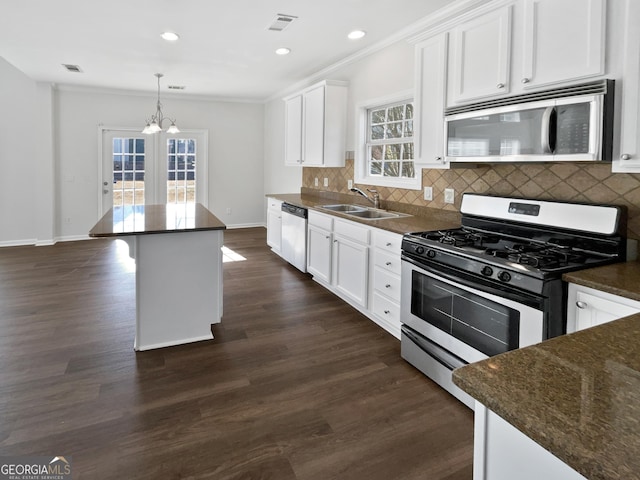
(494, 135)
(181, 170)
(128, 156)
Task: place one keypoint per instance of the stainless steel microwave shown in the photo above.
(566, 124)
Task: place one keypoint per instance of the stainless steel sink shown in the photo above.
(365, 213)
(342, 208)
(371, 214)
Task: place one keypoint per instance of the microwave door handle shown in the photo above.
(547, 137)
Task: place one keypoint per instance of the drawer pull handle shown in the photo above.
(388, 264)
(387, 286)
(387, 312)
(389, 244)
(500, 85)
(581, 304)
(327, 237)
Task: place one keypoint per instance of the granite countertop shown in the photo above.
(619, 279)
(148, 219)
(577, 395)
(421, 219)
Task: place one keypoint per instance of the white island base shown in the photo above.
(178, 286)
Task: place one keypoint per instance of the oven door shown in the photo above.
(467, 319)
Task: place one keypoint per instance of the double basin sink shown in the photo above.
(365, 213)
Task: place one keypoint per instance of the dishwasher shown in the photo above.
(294, 235)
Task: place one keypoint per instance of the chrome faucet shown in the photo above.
(376, 196)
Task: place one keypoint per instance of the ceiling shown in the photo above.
(225, 48)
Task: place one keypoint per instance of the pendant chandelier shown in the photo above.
(154, 125)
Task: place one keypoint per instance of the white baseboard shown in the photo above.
(72, 238)
(18, 243)
(245, 225)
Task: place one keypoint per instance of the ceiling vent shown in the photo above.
(176, 87)
(281, 22)
(72, 68)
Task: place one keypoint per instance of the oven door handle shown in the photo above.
(436, 352)
(462, 279)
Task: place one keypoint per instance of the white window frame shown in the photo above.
(361, 172)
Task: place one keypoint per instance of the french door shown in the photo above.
(140, 169)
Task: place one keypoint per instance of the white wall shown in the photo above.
(235, 152)
(380, 74)
(17, 156)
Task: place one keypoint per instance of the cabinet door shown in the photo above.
(564, 40)
(350, 269)
(480, 57)
(431, 65)
(293, 131)
(274, 229)
(313, 132)
(592, 310)
(629, 157)
(319, 253)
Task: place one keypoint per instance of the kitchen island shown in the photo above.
(177, 250)
(566, 408)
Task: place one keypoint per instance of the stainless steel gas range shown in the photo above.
(494, 284)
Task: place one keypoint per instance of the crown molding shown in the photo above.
(412, 33)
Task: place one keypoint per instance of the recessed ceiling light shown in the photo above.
(356, 34)
(283, 51)
(170, 36)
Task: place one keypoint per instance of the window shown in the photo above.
(385, 154)
(181, 170)
(128, 171)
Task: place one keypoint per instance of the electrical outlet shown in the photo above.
(316, 183)
(428, 193)
(228, 211)
(449, 194)
(326, 182)
(349, 184)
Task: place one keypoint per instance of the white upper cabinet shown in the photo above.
(628, 159)
(526, 44)
(431, 65)
(564, 40)
(315, 126)
(479, 57)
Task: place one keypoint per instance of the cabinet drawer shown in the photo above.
(385, 308)
(387, 283)
(351, 230)
(320, 220)
(388, 261)
(273, 204)
(388, 241)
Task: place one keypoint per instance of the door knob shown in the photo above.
(581, 304)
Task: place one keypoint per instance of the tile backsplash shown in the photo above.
(575, 182)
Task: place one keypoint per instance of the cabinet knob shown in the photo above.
(335, 241)
(625, 156)
(327, 237)
(387, 312)
(387, 286)
(438, 159)
(389, 244)
(581, 304)
(388, 264)
(526, 80)
(500, 85)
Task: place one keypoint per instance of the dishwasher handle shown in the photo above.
(294, 210)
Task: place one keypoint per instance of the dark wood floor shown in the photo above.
(296, 384)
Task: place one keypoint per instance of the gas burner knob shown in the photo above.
(431, 253)
(504, 276)
(419, 250)
(487, 271)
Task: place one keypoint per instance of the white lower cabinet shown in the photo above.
(588, 307)
(502, 452)
(359, 263)
(274, 224)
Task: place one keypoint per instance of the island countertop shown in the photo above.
(577, 395)
(618, 279)
(152, 219)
